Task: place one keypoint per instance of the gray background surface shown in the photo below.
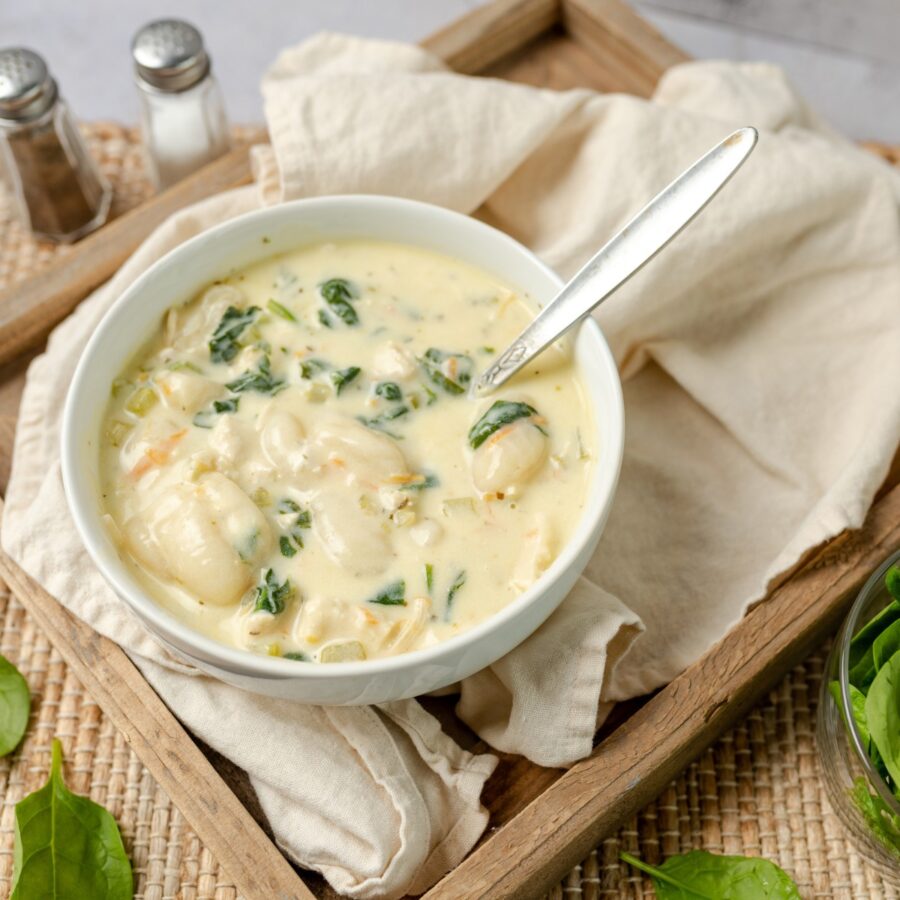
(844, 55)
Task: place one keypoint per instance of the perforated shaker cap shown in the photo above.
(169, 55)
(26, 88)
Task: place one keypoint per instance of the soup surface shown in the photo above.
(293, 465)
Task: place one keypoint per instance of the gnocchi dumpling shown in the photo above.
(509, 457)
(281, 436)
(208, 536)
(363, 455)
(186, 391)
(354, 539)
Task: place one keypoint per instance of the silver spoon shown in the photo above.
(622, 255)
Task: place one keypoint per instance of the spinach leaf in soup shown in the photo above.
(340, 378)
(501, 412)
(224, 344)
(261, 380)
(338, 294)
(67, 846)
(271, 596)
(452, 372)
(393, 595)
(279, 309)
(883, 716)
(15, 706)
(379, 422)
(420, 482)
(709, 876)
(390, 390)
(295, 520)
(458, 582)
(311, 367)
(206, 418)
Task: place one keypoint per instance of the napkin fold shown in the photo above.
(760, 365)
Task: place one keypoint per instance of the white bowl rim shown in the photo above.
(234, 659)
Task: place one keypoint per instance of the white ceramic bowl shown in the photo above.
(238, 243)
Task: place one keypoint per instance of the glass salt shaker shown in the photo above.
(182, 115)
(59, 191)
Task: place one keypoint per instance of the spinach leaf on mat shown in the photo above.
(708, 876)
(15, 706)
(67, 846)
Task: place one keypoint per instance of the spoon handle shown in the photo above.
(623, 254)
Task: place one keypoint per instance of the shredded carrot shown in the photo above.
(406, 479)
(452, 366)
(498, 435)
(158, 455)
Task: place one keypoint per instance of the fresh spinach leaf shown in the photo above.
(296, 656)
(261, 380)
(390, 390)
(324, 319)
(15, 706)
(272, 596)
(858, 706)
(279, 310)
(393, 595)
(861, 654)
(501, 413)
(458, 582)
(884, 825)
(67, 846)
(340, 378)
(224, 346)
(892, 581)
(883, 715)
(708, 876)
(337, 293)
(311, 367)
(886, 644)
(451, 372)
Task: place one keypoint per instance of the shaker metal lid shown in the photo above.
(169, 55)
(26, 88)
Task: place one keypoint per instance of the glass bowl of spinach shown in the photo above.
(858, 721)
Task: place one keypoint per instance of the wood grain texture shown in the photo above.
(633, 764)
(620, 41)
(175, 761)
(32, 307)
(490, 32)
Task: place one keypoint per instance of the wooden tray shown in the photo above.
(543, 821)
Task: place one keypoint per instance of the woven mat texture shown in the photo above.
(757, 791)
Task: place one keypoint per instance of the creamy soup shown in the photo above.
(294, 465)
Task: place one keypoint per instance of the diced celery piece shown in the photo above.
(141, 401)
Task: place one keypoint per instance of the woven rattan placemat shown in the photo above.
(757, 791)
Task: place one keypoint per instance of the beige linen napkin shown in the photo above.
(761, 368)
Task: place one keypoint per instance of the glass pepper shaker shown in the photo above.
(183, 118)
(59, 190)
